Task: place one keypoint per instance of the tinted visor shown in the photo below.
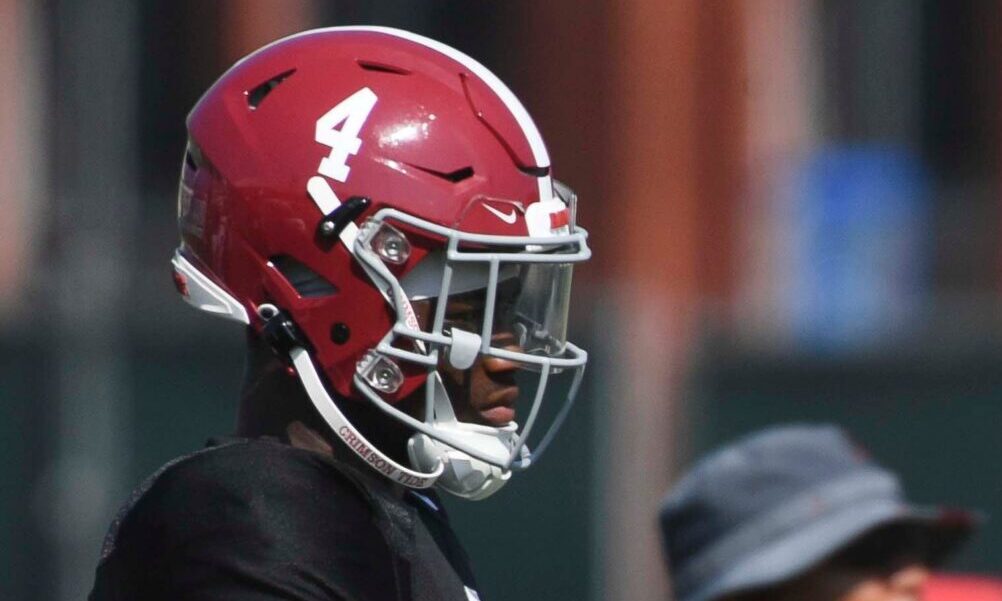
(533, 308)
(524, 311)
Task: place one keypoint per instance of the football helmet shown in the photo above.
(340, 188)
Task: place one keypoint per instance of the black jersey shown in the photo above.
(255, 520)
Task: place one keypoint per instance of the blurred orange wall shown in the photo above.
(644, 108)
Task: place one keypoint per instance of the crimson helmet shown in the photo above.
(335, 178)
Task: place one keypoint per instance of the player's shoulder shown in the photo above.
(258, 466)
(244, 468)
(287, 516)
(258, 487)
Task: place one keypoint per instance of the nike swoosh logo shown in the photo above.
(508, 218)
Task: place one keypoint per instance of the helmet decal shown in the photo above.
(350, 115)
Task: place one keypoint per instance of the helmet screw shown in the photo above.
(391, 245)
(266, 311)
(380, 372)
(333, 223)
(340, 333)
(384, 376)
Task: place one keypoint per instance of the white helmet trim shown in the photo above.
(206, 295)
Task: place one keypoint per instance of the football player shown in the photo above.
(377, 209)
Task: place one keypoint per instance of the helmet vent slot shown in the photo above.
(257, 94)
(192, 156)
(308, 283)
(534, 171)
(453, 176)
(382, 67)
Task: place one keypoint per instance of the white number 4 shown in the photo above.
(350, 114)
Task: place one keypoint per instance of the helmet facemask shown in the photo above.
(481, 298)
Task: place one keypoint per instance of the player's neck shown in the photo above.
(273, 403)
(272, 398)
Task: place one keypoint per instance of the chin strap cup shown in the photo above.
(463, 475)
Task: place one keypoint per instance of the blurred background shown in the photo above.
(794, 207)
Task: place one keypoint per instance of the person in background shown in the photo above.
(800, 512)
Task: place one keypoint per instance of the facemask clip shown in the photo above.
(331, 225)
(391, 245)
(279, 330)
(380, 372)
(464, 348)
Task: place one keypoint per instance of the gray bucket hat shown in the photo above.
(771, 506)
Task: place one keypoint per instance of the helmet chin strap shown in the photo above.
(343, 428)
(453, 470)
(464, 476)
